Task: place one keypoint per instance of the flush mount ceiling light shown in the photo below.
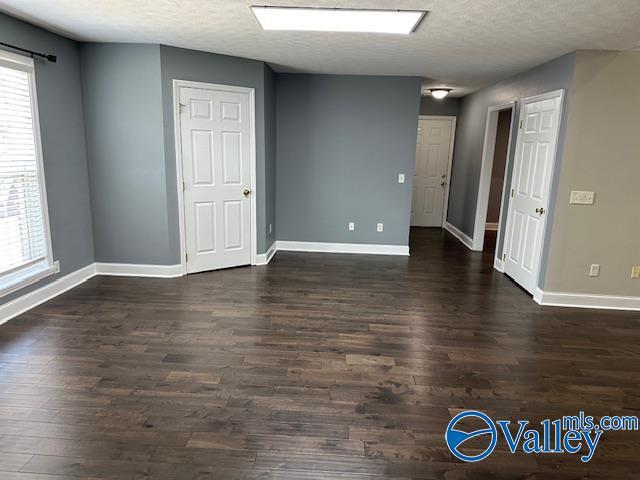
(337, 19)
(439, 93)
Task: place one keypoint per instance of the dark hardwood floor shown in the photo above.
(317, 366)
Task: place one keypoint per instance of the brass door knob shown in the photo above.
(246, 192)
(442, 184)
(540, 210)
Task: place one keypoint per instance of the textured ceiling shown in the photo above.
(463, 44)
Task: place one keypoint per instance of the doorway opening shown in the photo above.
(490, 209)
(496, 188)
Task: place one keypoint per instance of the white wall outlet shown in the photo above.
(380, 227)
(401, 178)
(594, 270)
(635, 271)
(352, 226)
(581, 197)
(270, 229)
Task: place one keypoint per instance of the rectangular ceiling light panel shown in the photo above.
(337, 19)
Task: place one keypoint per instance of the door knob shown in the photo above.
(540, 210)
(246, 192)
(442, 184)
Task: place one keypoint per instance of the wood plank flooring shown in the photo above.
(317, 366)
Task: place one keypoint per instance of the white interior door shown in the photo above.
(530, 187)
(430, 176)
(216, 154)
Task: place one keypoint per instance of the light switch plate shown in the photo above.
(401, 178)
(380, 227)
(635, 271)
(581, 197)
(594, 270)
(352, 226)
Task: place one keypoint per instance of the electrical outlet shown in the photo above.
(380, 227)
(401, 178)
(352, 226)
(581, 198)
(594, 271)
(635, 271)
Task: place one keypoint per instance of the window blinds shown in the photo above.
(22, 231)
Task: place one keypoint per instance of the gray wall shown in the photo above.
(63, 145)
(123, 117)
(467, 154)
(448, 106)
(128, 96)
(341, 142)
(181, 64)
(270, 155)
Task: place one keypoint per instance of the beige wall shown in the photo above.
(601, 154)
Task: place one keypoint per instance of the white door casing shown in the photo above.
(530, 187)
(432, 169)
(216, 149)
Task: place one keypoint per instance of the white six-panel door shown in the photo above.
(216, 154)
(430, 176)
(530, 187)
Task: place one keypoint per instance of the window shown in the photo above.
(25, 245)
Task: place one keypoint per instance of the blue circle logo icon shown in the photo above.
(456, 438)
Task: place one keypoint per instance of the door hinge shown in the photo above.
(504, 257)
(520, 124)
(186, 257)
(184, 186)
(181, 107)
(513, 192)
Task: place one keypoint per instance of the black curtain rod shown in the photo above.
(51, 58)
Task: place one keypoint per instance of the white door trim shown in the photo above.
(484, 184)
(177, 84)
(453, 119)
(537, 98)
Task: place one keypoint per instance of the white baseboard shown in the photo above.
(265, 258)
(324, 247)
(498, 264)
(493, 226)
(583, 300)
(460, 235)
(138, 270)
(537, 295)
(33, 299)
